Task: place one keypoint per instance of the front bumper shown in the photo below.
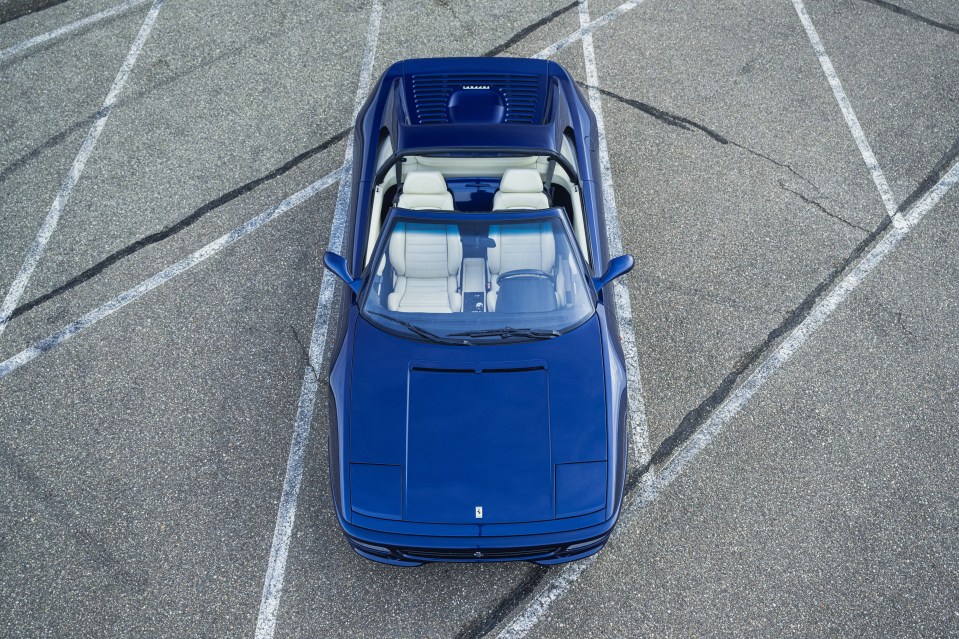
(545, 556)
(543, 549)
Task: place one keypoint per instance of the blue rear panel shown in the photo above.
(444, 91)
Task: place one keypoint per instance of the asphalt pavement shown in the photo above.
(803, 474)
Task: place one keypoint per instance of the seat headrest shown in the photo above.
(521, 181)
(425, 191)
(424, 183)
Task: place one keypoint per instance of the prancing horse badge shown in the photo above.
(479, 512)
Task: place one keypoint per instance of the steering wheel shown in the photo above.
(525, 272)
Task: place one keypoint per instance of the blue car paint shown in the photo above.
(380, 381)
(554, 384)
(411, 535)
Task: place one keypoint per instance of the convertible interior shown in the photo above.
(468, 267)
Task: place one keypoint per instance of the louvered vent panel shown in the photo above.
(522, 95)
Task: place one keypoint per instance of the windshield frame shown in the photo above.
(397, 215)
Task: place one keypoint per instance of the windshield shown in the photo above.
(477, 279)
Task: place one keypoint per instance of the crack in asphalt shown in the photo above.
(665, 117)
(691, 422)
(56, 139)
(784, 165)
(895, 8)
(902, 324)
(681, 122)
(481, 626)
(179, 226)
(305, 351)
(449, 6)
(696, 417)
(525, 31)
(935, 174)
(14, 9)
(50, 143)
(809, 200)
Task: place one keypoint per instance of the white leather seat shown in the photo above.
(520, 189)
(519, 246)
(425, 190)
(426, 260)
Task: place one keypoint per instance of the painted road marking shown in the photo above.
(888, 200)
(69, 28)
(286, 512)
(73, 175)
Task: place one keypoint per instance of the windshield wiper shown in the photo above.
(419, 330)
(507, 331)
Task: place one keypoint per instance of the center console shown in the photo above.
(474, 285)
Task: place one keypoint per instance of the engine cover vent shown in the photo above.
(470, 98)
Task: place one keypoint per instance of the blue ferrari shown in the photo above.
(477, 387)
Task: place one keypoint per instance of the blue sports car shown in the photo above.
(477, 388)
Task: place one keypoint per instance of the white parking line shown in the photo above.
(888, 199)
(554, 590)
(70, 330)
(286, 512)
(53, 216)
(587, 29)
(818, 316)
(638, 425)
(68, 28)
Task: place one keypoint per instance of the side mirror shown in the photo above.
(617, 266)
(337, 265)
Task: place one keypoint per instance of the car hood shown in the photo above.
(481, 434)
